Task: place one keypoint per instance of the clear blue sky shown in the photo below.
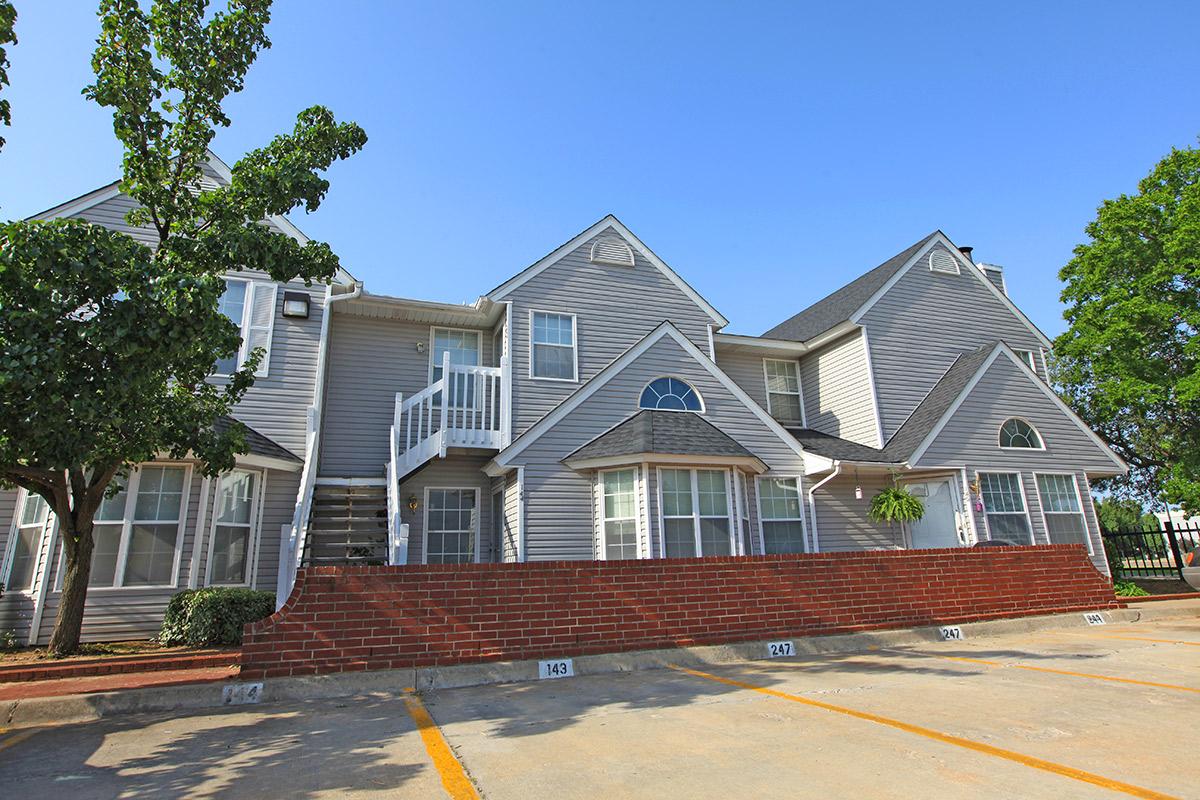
(768, 152)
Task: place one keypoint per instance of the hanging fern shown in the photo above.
(895, 504)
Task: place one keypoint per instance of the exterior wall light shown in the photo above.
(295, 304)
(420, 347)
(412, 502)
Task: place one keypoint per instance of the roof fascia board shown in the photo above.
(756, 464)
(79, 204)
(609, 221)
(964, 262)
(777, 345)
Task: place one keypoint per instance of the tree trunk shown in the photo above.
(78, 546)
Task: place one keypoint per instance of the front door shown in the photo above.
(939, 526)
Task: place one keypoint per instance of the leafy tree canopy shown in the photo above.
(1129, 363)
(1117, 514)
(8, 22)
(107, 343)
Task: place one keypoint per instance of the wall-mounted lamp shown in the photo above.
(413, 502)
(420, 347)
(858, 492)
(295, 304)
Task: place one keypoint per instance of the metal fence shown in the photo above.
(1154, 553)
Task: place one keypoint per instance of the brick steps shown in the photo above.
(43, 671)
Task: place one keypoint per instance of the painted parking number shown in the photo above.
(952, 633)
(237, 694)
(780, 649)
(559, 668)
(1095, 619)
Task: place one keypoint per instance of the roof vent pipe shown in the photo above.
(966, 251)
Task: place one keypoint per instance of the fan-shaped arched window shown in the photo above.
(1018, 433)
(670, 394)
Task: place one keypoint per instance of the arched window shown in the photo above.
(1018, 433)
(670, 394)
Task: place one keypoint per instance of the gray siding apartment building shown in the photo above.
(588, 407)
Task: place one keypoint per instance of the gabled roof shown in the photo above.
(855, 299)
(257, 443)
(839, 449)
(841, 304)
(662, 433)
(607, 222)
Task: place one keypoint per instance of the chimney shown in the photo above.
(966, 251)
(995, 274)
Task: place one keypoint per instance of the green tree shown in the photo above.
(1116, 514)
(106, 344)
(1129, 363)
(8, 35)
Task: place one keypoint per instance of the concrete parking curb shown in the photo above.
(72, 709)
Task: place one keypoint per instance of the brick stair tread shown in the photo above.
(118, 665)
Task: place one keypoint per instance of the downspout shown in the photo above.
(318, 402)
(812, 502)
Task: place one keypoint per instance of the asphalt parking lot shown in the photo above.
(1108, 711)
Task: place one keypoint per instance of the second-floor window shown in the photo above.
(783, 389)
(553, 353)
(251, 306)
(464, 348)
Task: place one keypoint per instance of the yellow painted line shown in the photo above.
(958, 741)
(458, 786)
(1030, 668)
(16, 738)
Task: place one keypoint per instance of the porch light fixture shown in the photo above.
(413, 502)
(858, 492)
(295, 304)
(420, 347)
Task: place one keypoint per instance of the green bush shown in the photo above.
(1129, 589)
(213, 616)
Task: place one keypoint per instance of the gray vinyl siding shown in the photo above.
(456, 471)
(917, 329)
(512, 518)
(558, 524)
(615, 307)
(842, 521)
(746, 370)
(836, 382)
(370, 360)
(972, 433)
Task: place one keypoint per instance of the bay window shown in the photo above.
(618, 511)
(695, 517)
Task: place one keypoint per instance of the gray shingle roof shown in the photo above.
(838, 306)
(915, 428)
(259, 445)
(664, 433)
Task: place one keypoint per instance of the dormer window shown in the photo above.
(1017, 434)
(612, 250)
(942, 261)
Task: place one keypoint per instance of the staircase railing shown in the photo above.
(397, 531)
(291, 548)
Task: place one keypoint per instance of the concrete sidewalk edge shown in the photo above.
(70, 709)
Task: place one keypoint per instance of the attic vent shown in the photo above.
(611, 250)
(941, 261)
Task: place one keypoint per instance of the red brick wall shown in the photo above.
(354, 618)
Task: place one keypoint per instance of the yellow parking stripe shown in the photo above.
(1049, 670)
(16, 738)
(958, 741)
(458, 786)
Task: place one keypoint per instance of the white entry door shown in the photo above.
(939, 526)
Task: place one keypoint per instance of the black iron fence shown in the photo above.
(1156, 553)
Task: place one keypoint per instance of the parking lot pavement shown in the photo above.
(1108, 711)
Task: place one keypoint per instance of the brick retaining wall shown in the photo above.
(355, 618)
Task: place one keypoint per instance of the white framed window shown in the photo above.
(251, 306)
(784, 401)
(695, 516)
(618, 514)
(25, 543)
(671, 394)
(451, 526)
(1018, 434)
(465, 347)
(1028, 357)
(781, 515)
(553, 352)
(1007, 516)
(138, 533)
(234, 532)
(1062, 509)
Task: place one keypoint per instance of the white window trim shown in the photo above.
(696, 517)
(799, 389)
(256, 504)
(637, 516)
(10, 549)
(762, 536)
(425, 520)
(243, 326)
(1082, 514)
(127, 530)
(574, 345)
(703, 407)
(987, 523)
(953, 261)
(252, 287)
(433, 329)
(1041, 439)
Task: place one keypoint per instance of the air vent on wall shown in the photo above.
(941, 261)
(611, 250)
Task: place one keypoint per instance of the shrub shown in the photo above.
(213, 616)
(1128, 589)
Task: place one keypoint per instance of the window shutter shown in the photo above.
(261, 323)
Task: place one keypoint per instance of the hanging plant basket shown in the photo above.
(895, 504)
